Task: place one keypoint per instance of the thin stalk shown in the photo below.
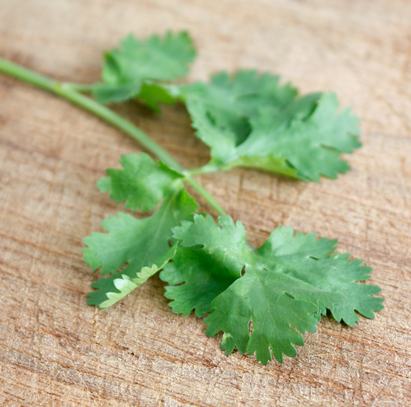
(206, 169)
(71, 92)
(66, 92)
(206, 195)
(118, 121)
(80, 87)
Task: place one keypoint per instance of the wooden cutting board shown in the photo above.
(55, 349)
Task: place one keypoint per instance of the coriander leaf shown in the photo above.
(339, 275)
(114, 288)
(203, 277)
(156, 58)
(141, 183)
(137, 244)
(311, 146)
(243, 94)
(248, 120)
(282, 242)
(229, 103)
(226, 244)
(257, 297)
(205, 273)
(284, 284)
(155, 94)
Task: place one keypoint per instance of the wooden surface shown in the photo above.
(57, 351)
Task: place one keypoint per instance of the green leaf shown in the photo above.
(135, 244)
(249, 120)
(280, 287)
(242, 95)
(203, 277)
(312, 146)
(339, 275)
(137, 61)
(141, 183)
(155, 94)
(226, 106)
(114, 288)
(226, 245)
(257, 297)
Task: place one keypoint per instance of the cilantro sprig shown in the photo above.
(247, 119)
(262, 299)
(284, 283)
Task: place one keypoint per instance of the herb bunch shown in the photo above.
(250, 120)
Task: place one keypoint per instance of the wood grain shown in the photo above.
(56, 350)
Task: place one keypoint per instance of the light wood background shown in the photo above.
(57, 351)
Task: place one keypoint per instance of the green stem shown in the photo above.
(66, 92)
(206, 195)
(206, 169)
(80, 87)
(71, 93)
